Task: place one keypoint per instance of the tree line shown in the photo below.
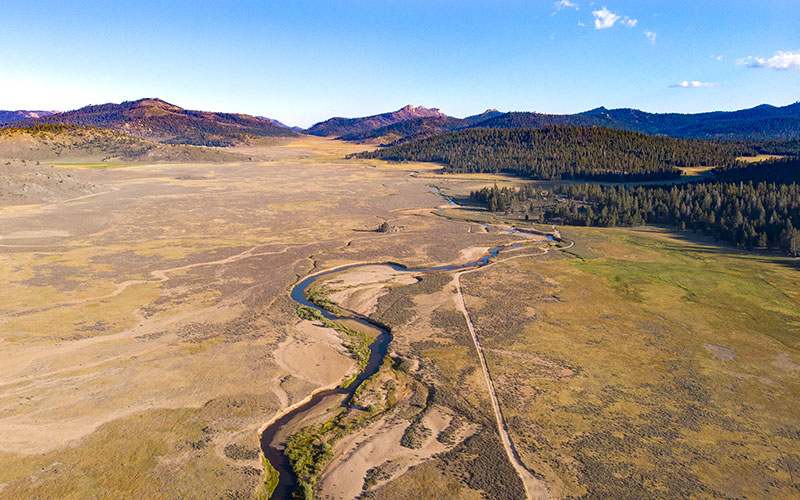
(747, 205)
(745, 214)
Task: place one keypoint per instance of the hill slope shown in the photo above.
(156, 120)
(91, 144)
(343, 126)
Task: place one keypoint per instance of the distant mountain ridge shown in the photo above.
(764, 122)
(339, 126)
(281, 124)
(761, 123)
(160, 121)
(20, 114)
(420, 128)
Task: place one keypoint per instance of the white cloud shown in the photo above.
(693, 84)
(650, 36)
(563, 4)
(630, 23)
(718, 58)
(581, 24)
(782, 60)
(604, 18)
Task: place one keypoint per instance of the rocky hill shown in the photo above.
(347, 126)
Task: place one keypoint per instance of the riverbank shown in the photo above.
(322, 401)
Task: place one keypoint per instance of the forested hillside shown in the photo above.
(564, 152)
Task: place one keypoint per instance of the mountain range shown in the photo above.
(764, 122)
(761, 123)
(418, 128)
(159, 121)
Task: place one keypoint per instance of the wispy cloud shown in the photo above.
(718, 58)
(604, 19)
(782, 60)
(563, 4)
(650, 35)
(693, 84)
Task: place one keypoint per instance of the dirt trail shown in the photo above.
(534, 489)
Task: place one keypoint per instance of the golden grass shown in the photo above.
(757, 158)
(696, 171)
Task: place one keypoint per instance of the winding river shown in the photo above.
(273, 438)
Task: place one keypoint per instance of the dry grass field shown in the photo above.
(143, 323)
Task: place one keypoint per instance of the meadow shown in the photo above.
(646, 365)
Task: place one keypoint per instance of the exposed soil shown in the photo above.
(28, 183)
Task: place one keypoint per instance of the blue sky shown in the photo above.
(304, 61)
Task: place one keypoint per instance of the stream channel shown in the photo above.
(274, 437)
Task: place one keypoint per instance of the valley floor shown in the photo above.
(146, 335)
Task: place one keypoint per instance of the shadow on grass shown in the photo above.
(705, 244)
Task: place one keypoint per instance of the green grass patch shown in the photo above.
(270, 481)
